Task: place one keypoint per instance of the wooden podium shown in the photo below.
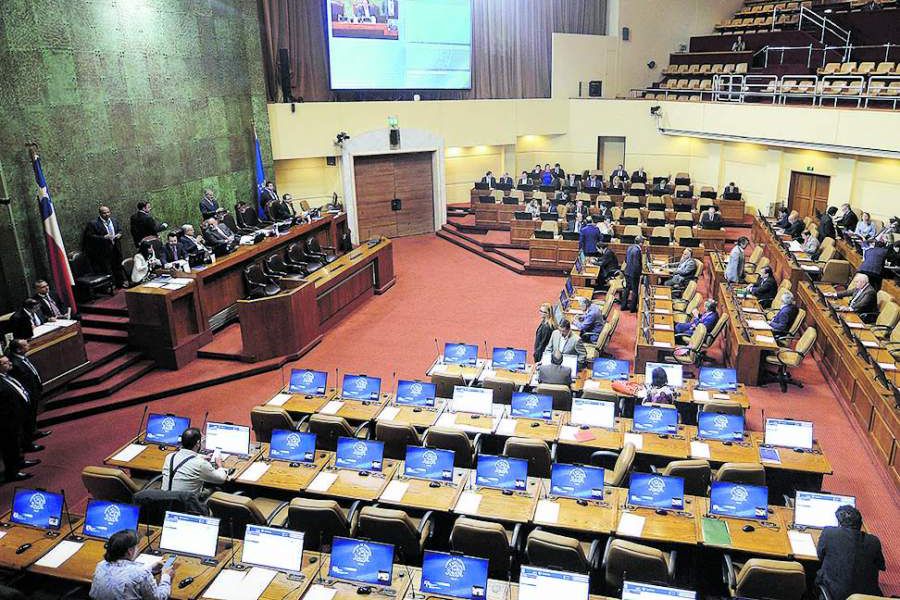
(284, 324)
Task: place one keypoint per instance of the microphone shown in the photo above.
(71, 533)
(393, 381)
(233, 546)
(437, 349)
(149, 535)
(486, 353)
(281, 371)
(337, 380)
(408, 573)
(203, 427)
(318, 576)
(137, 438)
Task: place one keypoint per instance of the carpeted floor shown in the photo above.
(447, 293)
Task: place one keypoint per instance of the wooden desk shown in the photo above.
(346, 590)
(203, 574)
(594, 438)
(813, 462)
(671, 527)
(787, 517)
(421, 495)
(280, 475)
(352, 485)
(593, 517)
(852, 256)
(745, 451)
(299, 405)
(472, 423)
(469, 374)
(419, 417)
(284, 587)
(533, 429)
(355, 411)
(518, 378)
(744, 346)
(655, 336)
(152, 457)
(522, 231)
(295, 311)
(496, 215)
(675, 446)
(58, 355)
(41, 540)
(495, 505)
(784, 264)
(555, 253)
(768, 538)
(690, 394)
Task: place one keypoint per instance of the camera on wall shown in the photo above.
(341, 138)
(656, 111)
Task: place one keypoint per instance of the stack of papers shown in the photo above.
(279, 400)
(319, 592)
(129, 452)
(506, 427)
(60, 554)
(631, 525)
(322, 482)
(758, 324)
(389, 413)
(254, 471)
(240, 585)
(634, 438)
(547, 511)
(395, 491)
(468, 503)
(699, 450)
(331, 408)
(802, 543)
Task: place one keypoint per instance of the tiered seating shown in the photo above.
(693, 82)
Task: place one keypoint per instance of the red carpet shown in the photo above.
(447, 293)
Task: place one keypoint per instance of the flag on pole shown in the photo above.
(60, 273)
(260, 179)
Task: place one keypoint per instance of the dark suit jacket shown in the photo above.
(266, 196)
(795, 229)
(849, 221)
(849, 562)
(12, 409)
(865, 301)
(541, 339)
(593, 182)
(28, 378)
(607, 264)
(620, 173)
(783, 223)
(489, 180)
(46, 311)
(554, 374)
(783, 319)
(716, 220)
(144, 225)
(96, 232)
(216, 240)
(764, 290)
(506, 180)
(279, 210)
(826, 227)
(177, 253)
(639, 177)
(605, 213)
(208, 207)
(21, 326)
(633, 261)
(558, 173)
(873, 261)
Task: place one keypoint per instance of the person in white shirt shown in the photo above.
(187, 470)
(120, 577)
(810, 243)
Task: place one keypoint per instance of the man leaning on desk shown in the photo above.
(187, 470)
(863, 298)
(765, 288)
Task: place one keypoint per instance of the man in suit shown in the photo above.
(848, 218)
(765, 288)
(489, 179)
(809, 243)
(13, 399)
(555, 372)
(103, 245)
(605, 213)
(593, 182)
(23, 321)
(173, 251)
(279, 209)
(849, 559)
(607, 265)
(52, 306)
(144, 225)
(685, 270)
(863, 298)
(634, 259)
(218, 237)
(639, 176)
(588, 237)
(619, 172)
(27, 374)
(874, 257)
(558, 172)
(784, 318)
(795, 225)
(826, 224)
(731, 188)
(523, 179)
(734, 269)
(505, 179)
(192, 247)
(564, 341)
(781, 221)
(572, 181)
(661, 187)
(266, 195)
(591, 320)
(209, 206)
(711, 219)
(708, 317)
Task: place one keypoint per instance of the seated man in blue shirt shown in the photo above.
(588, 237)
(784, 318)
(591, 322)
(708, 318)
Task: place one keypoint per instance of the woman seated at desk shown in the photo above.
(865, 228)
(659, 391)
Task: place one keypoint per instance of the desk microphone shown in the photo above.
(71, 533)
(393, 383)
(137, 438)
(203, 427)
(233, 545)
(318, 576)
(338, 384)
(437, 350)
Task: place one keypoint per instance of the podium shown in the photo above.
(284, 324)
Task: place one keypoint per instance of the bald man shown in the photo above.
(103, 244)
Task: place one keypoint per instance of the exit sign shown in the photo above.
(810, 169)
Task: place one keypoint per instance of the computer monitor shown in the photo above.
(511, 359)
(570, 289)
(817, 509)
(165, 429)
(563, 299)
(415, 393)
(37, 508)
(310, 383)
(359, 455)
(674, 373)
(428, 463)
(717, 378)
(645, 591)
(292, 446)
(537, 583)
(194, 535)
(721, 427)
(789, 433)
(361, 561)
(273, 548)
(472, 400)
(228, 438)
(611, 369)
(525, 405)
(576, 481)
(501, 472)
(579, 262)
(655, 419)
(656, 491)
(739, 500)
(558, 313)
(454, 575)
(460, 354)
(102, 518)
(361, 387)
(594, 413)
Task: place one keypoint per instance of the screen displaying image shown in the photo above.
(611, 369)
(576, 481)
(428, 463)
(738, 500)
(37, 508)
(674, 373)
(655, 419)
(472, 400)
(511, 359)
(454, 575)
(715, 426)
(656, 491)
(102, 519)
(645, 591)
(189, 534)
(594, 413)
(166, 429)
(531, 406)
(292, 446)
(273, 548)
(789, 433)
(361, 387)
(227, 438)
(536, 583)
(460, 354)
(360, 455)
(717, 378)
(362, 561)
(310, 383)
(415, 393)
(817, 509)
(501, 472)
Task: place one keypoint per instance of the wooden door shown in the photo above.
(383, 178)
(808, 193)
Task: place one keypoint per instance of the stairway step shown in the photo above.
(103, 372)
(103, 321)
(108, 386)
(105, 335)
(102, 352)
(455, 238)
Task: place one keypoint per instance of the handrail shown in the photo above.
(847, 51)
(824, 24)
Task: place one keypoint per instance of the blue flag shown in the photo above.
(260, 179)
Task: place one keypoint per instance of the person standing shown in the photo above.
(849, 558)
(734, 270)
(13, 400)
(544, 330)
(633, 268)
(588, 237)
(143, 224)
(24, 371)
(104, 245)
(209, 206)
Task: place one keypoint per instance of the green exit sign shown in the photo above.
(810, 169)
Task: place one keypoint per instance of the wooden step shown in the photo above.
(103, 321)
(105, 335)
(104, 371)
(106, 387)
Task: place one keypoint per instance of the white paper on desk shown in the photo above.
(751, 310)
(634, 438)
(699, 450)
(662, 311)
(129, 452)
(721, 397)
(869, 344)
(153, 284)
(2, 534)
(181, 280)
(279, 400)
(701, 395)
(226, 583)
(240, 585)
(389, 413)
(758, 324)
(42, 329)
(148, 560)
(322, 482)
(447, 420)
(60, 554)
(887, 366)
(506, 427)
(802, 543)
(765, 339)
(660, 297)
(809, 267)
(662, 344)
(794, 246)
(331, 408)
(663, 327)
(568, 432)
(855, 325)
(547, 512)
(254, 471)
(319, 592)
(468, 503)
(395, 491)
(631, 525)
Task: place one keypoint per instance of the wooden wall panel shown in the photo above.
(380, 179)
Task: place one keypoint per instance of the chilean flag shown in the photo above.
(260, 179)
(60, 272)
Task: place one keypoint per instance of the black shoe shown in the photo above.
(19, 477)
(31, 462)
(41, 434)
(34, 448)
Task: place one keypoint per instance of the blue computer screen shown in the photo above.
(454, 575)
(363, 561)
(311, 383)
(717, 378)
(361, 455)
(102, 519)
(415, 393)
(563, 300)
(501, 472)
(570, 289)
(655, 419)
(511, 359)
(611, 368)
(166, 429)
(293, 446)
(361, 387)
(429, 463)
(460, 354)
(531, 406)
(739, 500)
(37, 508)
(576, 481)
(716, 426)
(656, 491)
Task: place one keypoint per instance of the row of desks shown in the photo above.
(793, 266)
(560, 254)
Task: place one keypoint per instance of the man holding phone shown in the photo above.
(187, 470)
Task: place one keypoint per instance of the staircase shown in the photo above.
(498, 256)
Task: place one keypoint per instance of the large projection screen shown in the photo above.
(400, 44)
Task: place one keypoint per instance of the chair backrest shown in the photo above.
(773, 579)
(562, 210)
(836, 271)
(826, 254)
(265, 418)
(806, 341)
(484, 539)
(390, 526)
(660, 232)
(716, 330)
(888, 315)
(603, 337)
(328, 428)
(798, 321)
(275, 263)
(562, 394)
(550, 226)
(444, 384)
(763, 263)
(697, 338)
(396, 437)
(623, 466)
(696, 475)
(106, 483)
(549, 550)
(634, 213)
(828, 242)
(632, 230)
(895, 333)
(503, 388)
(689, 290)
(747, 473)
(882, 298)
(693, 303)
(319, 520)
(155, 503)
(725, 407)
(235, 513)
(698, 272)
(536, 452)
(756, 254)
(641, 563)
(451, 439)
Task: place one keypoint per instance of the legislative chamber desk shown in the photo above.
(747, 337)
(555, 253)
(57, 352)
(495, 215)
(147, 459)
(785, 265)
(41, 540)
(410, 492)
(655, 335)
(852, 256)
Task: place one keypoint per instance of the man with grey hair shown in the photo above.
(863, 298)
(784, 318)
(209, 206)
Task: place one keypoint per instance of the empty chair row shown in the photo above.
(862, 68)
(705, 69)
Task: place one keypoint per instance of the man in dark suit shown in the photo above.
(51, 305)
(848, 218)
(607, 265)
(826, 224)
(661, 187)
(209, 206)
(27, 374)
(174, 252)
(103, 245)
(731, 188)
(639, 176)
(13, 399)
(765, 288)
(489, 179)
(280, 209)
(781, 221)
(795, 226)
(266, 195)
(592, 182)
(619, 172)
(849, 559)
(633, 268)
(192, 247)
(605, 213)
(506, 179)
(558, 172)
(23, 321)
(523, 179)
(863, 298)
(555, 372)
(144, 225)
(218, 237)
(711, 219)
(588, 236)
(784, 318)
(874, 257)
